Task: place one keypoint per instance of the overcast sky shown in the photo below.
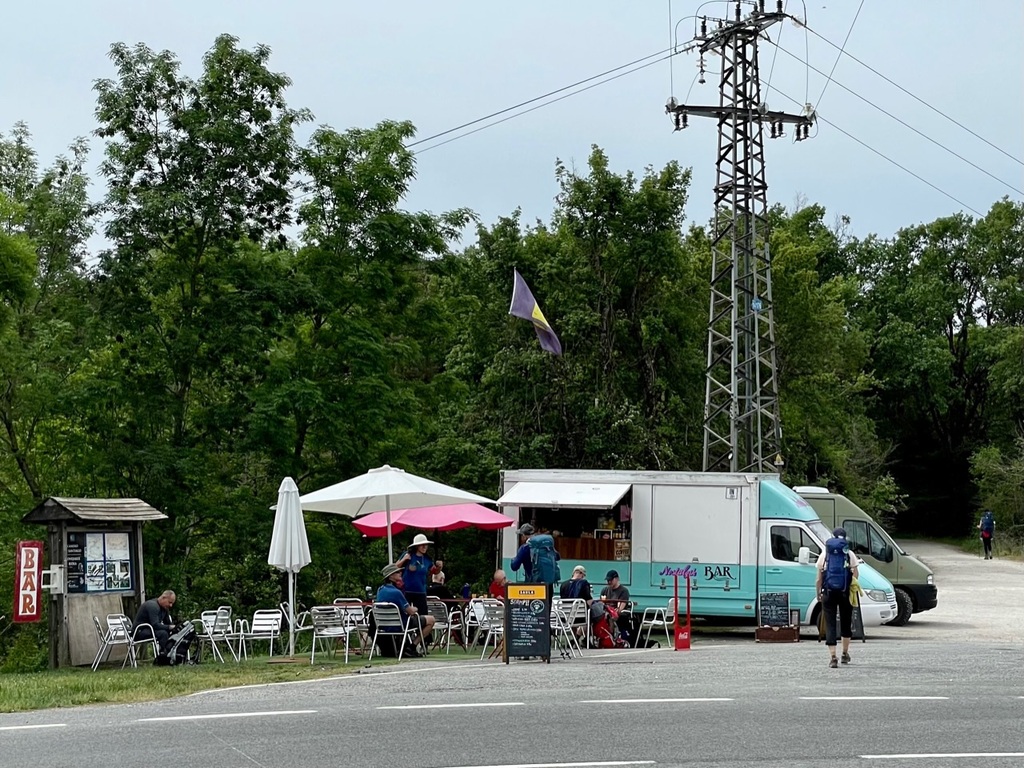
(444, 63)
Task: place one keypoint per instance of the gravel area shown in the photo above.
(979, 600)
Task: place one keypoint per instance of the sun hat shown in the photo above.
(581, 569)
(418, 540)
(839, 533)
(389, 570)
(611, 575)
(526, 530)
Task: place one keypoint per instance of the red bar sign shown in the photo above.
(28, 575)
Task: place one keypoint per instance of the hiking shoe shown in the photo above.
(834, 663)
(846, 658)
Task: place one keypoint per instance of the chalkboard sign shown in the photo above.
(527, 622)
(773, 609)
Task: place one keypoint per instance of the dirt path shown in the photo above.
(979, 600)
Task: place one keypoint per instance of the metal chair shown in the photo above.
(266, 625)
(491, 624)
(562, 630)
(355, 615)
(389, 622)
(121, 632)
(577, 616)
(442, 623)
(330, 625)
(659, 618)
(214, 627)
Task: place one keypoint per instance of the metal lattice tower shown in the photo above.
(742, 431)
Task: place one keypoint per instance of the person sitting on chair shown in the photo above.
(156, 613)
(391, 592)
(497, 589)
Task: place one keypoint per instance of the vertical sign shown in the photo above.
(28, 576)
(527, 622)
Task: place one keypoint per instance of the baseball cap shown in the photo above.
(839, 532)
(611, 575)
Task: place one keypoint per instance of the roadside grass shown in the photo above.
(78, 686)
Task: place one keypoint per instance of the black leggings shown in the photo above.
(987, 541)
(837, 601)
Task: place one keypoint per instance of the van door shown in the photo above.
(780, 570)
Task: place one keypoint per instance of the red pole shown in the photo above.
(682, 636)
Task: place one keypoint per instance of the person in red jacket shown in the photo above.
(497, 588)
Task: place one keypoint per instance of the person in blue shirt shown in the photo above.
(417, 569)
(522, 558)
(391, 592)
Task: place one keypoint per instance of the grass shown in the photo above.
(78, 686)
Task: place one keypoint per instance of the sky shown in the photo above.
(444, 63)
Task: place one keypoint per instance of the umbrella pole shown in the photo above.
(291, 613)
(387, 507)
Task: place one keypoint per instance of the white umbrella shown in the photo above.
(384, 489)
(289, 550)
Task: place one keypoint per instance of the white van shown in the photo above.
(743, 533)
(913, 580)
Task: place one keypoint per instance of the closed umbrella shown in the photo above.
(289, 549)
(381, 490)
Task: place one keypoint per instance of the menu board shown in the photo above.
(527, 622)
(773, 609)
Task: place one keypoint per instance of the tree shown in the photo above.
(194, 289)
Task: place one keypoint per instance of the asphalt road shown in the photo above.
(939, 692)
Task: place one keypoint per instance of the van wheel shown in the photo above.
(904, 607)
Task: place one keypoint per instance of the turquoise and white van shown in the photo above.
(743, 534)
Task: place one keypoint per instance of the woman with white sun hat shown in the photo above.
(417, 567)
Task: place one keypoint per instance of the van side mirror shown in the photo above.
(888, 554)
(804, 556)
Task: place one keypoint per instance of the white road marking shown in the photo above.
(454, 706)
(226, 715)
(31, 727)
(559, 765)
(936, 755)
(874, 698)
(645, 701)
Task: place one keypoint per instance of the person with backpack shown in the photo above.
(837, 568)
(987, 526)
(537, 557)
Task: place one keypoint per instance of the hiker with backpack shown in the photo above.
(837, 568)
(987, 526)
(537, 557)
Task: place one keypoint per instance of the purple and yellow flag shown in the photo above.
(526, 307)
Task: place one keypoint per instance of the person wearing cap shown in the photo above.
(417, 568)
(522, 558)
(391, 592)
(835, 600)
(615, 599)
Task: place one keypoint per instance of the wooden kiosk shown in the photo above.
(98, 545)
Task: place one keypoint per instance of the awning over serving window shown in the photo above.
(565, 495)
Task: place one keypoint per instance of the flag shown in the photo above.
(526, 307)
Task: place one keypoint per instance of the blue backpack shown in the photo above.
(544, 559)
(837, 574)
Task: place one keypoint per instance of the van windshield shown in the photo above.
(820, 531)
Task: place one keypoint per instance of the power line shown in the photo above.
(537, 98)
(907, 125)
(538, 106)
(842, 50)
(883, 155)
(936, 110)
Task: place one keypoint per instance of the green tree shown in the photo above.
(195, 288)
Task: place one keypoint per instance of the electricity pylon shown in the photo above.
(742, 430)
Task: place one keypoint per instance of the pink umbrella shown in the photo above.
(443, 518)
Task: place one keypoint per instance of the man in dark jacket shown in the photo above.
(156, 613)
